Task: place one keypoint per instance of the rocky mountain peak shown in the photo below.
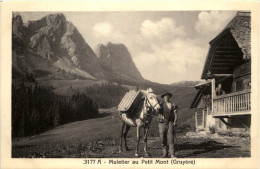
(52, 20)
(18, 28)
(55, 20)
(116, 58)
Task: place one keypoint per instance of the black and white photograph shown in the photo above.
(131, 87)
(171, 84)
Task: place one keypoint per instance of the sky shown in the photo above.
(166, 46)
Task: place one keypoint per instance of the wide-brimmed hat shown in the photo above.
(167, 93)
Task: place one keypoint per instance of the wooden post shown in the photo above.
(249, 101)
(213, 94)
(196, 123)
(213, 88)
(224, 104)
(203, 119)
(232, 105)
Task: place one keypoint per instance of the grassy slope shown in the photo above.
(183, 96)
(61, 86)
(107, 125)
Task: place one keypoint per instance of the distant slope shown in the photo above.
(186, 83)
(183, 96)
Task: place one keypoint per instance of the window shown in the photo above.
(247, 83)
(242, 83)
(239, 85)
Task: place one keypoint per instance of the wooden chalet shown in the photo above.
(228, 62)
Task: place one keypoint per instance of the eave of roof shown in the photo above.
(199, 94)
(203, 84)
(240, 28)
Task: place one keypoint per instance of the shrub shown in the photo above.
(212, 129)
(183, 129)
(230, 134)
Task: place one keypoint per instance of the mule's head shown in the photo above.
(152, 101)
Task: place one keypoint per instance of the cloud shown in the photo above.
(212, 22)
(161, 30)
(106, 30)
(171, 56)
(177, 60)
(103, 28)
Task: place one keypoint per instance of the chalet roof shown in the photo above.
(240, 27)
(238, 33)
(201, 91)
(204, 83)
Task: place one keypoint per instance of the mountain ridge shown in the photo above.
(52, 43)
(186, 83)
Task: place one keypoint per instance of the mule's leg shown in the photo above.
(138, 140)
(146, 129)
(127, 127)
(121, 136)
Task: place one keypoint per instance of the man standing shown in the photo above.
(167, 121)
(219, 90)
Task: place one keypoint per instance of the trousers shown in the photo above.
(167, 137)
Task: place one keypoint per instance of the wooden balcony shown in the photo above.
(237, 103)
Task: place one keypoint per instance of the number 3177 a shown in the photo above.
(89, 161)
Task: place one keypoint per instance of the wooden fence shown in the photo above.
(233, 103)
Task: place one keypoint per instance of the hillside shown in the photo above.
(186, 83)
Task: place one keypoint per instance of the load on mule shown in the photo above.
(130, 104)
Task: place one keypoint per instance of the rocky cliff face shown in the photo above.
(43, 46)
(55, 42)
(116, 60)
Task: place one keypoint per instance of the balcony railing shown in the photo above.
(237, 103)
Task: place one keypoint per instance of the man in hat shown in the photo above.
(167, 121)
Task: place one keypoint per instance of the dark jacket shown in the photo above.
(168, 113)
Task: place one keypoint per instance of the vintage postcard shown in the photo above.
(130, 84)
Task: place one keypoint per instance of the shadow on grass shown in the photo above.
(205, 147)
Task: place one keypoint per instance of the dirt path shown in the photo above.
(187, 148)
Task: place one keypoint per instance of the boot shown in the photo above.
(171, 149)
(173, 156)
(165, 153)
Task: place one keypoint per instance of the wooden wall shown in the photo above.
(242, 77)
(242, 70)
